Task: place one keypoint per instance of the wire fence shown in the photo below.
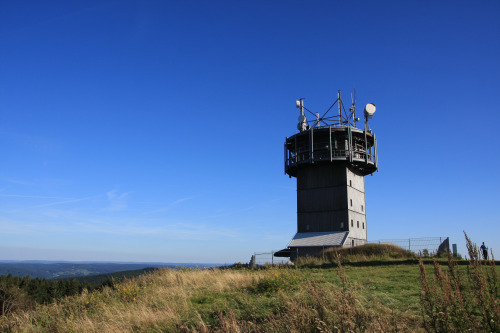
(268, 258)
(426, 245)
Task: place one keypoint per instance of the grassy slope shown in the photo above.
(380, 298)
(168, 299)
(396, 286)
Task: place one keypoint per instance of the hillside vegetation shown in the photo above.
(381, 298)
(64, 270)
(367, 253)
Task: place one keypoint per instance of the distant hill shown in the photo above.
(94, 280)
(60, 270)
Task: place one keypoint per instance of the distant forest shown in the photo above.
(25, 284)
(59, 270)
(65, 270)
(24, 292)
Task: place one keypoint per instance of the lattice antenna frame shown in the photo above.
(343, 119)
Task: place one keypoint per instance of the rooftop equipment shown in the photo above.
(330, 156)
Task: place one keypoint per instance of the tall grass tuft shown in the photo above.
(458, 301)
(360, 253)
(317, 306)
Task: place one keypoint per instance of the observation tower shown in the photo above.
(330, 157)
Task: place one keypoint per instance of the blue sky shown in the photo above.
(154, 130)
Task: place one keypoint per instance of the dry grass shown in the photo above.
(361, 253)
(461, 300)
(369, 252)
(157, 302)
(278, 300)
(273, 300)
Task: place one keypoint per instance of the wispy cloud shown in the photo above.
(32, 196)
(170, 205)
(229, 213)
(151, 228)
(21, 226)
(117, 201)
(63, 202)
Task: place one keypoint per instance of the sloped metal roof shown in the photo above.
(283, 253)
(302, 239)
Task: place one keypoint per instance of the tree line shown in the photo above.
(18, 293)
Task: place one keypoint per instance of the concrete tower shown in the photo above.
(330, 156)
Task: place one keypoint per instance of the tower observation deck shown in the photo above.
(330, 156)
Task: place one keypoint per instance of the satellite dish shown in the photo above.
(302, 125)
(369, 110)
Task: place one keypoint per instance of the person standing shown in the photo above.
(485, 251)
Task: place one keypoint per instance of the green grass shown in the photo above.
(396, 285)
(269, 290)
(360, 296)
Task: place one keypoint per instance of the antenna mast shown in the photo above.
(341, 123)
(353, 107)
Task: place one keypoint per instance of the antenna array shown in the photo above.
(343, 119)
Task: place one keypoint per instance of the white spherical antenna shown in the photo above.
(369, 110)
(298, 103)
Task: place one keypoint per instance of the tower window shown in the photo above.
(341, 225)
(362, 207)
(351, 202)
(350, 183)
(363, 225)
(358, 224)
(307, 227)
(352, 223)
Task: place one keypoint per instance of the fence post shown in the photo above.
(272, 258)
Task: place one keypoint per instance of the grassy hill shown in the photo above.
(409, 297)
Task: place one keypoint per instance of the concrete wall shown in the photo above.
(356, 205)
(354, 230)
(354, 242)
(322, 198)
(329, 196)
